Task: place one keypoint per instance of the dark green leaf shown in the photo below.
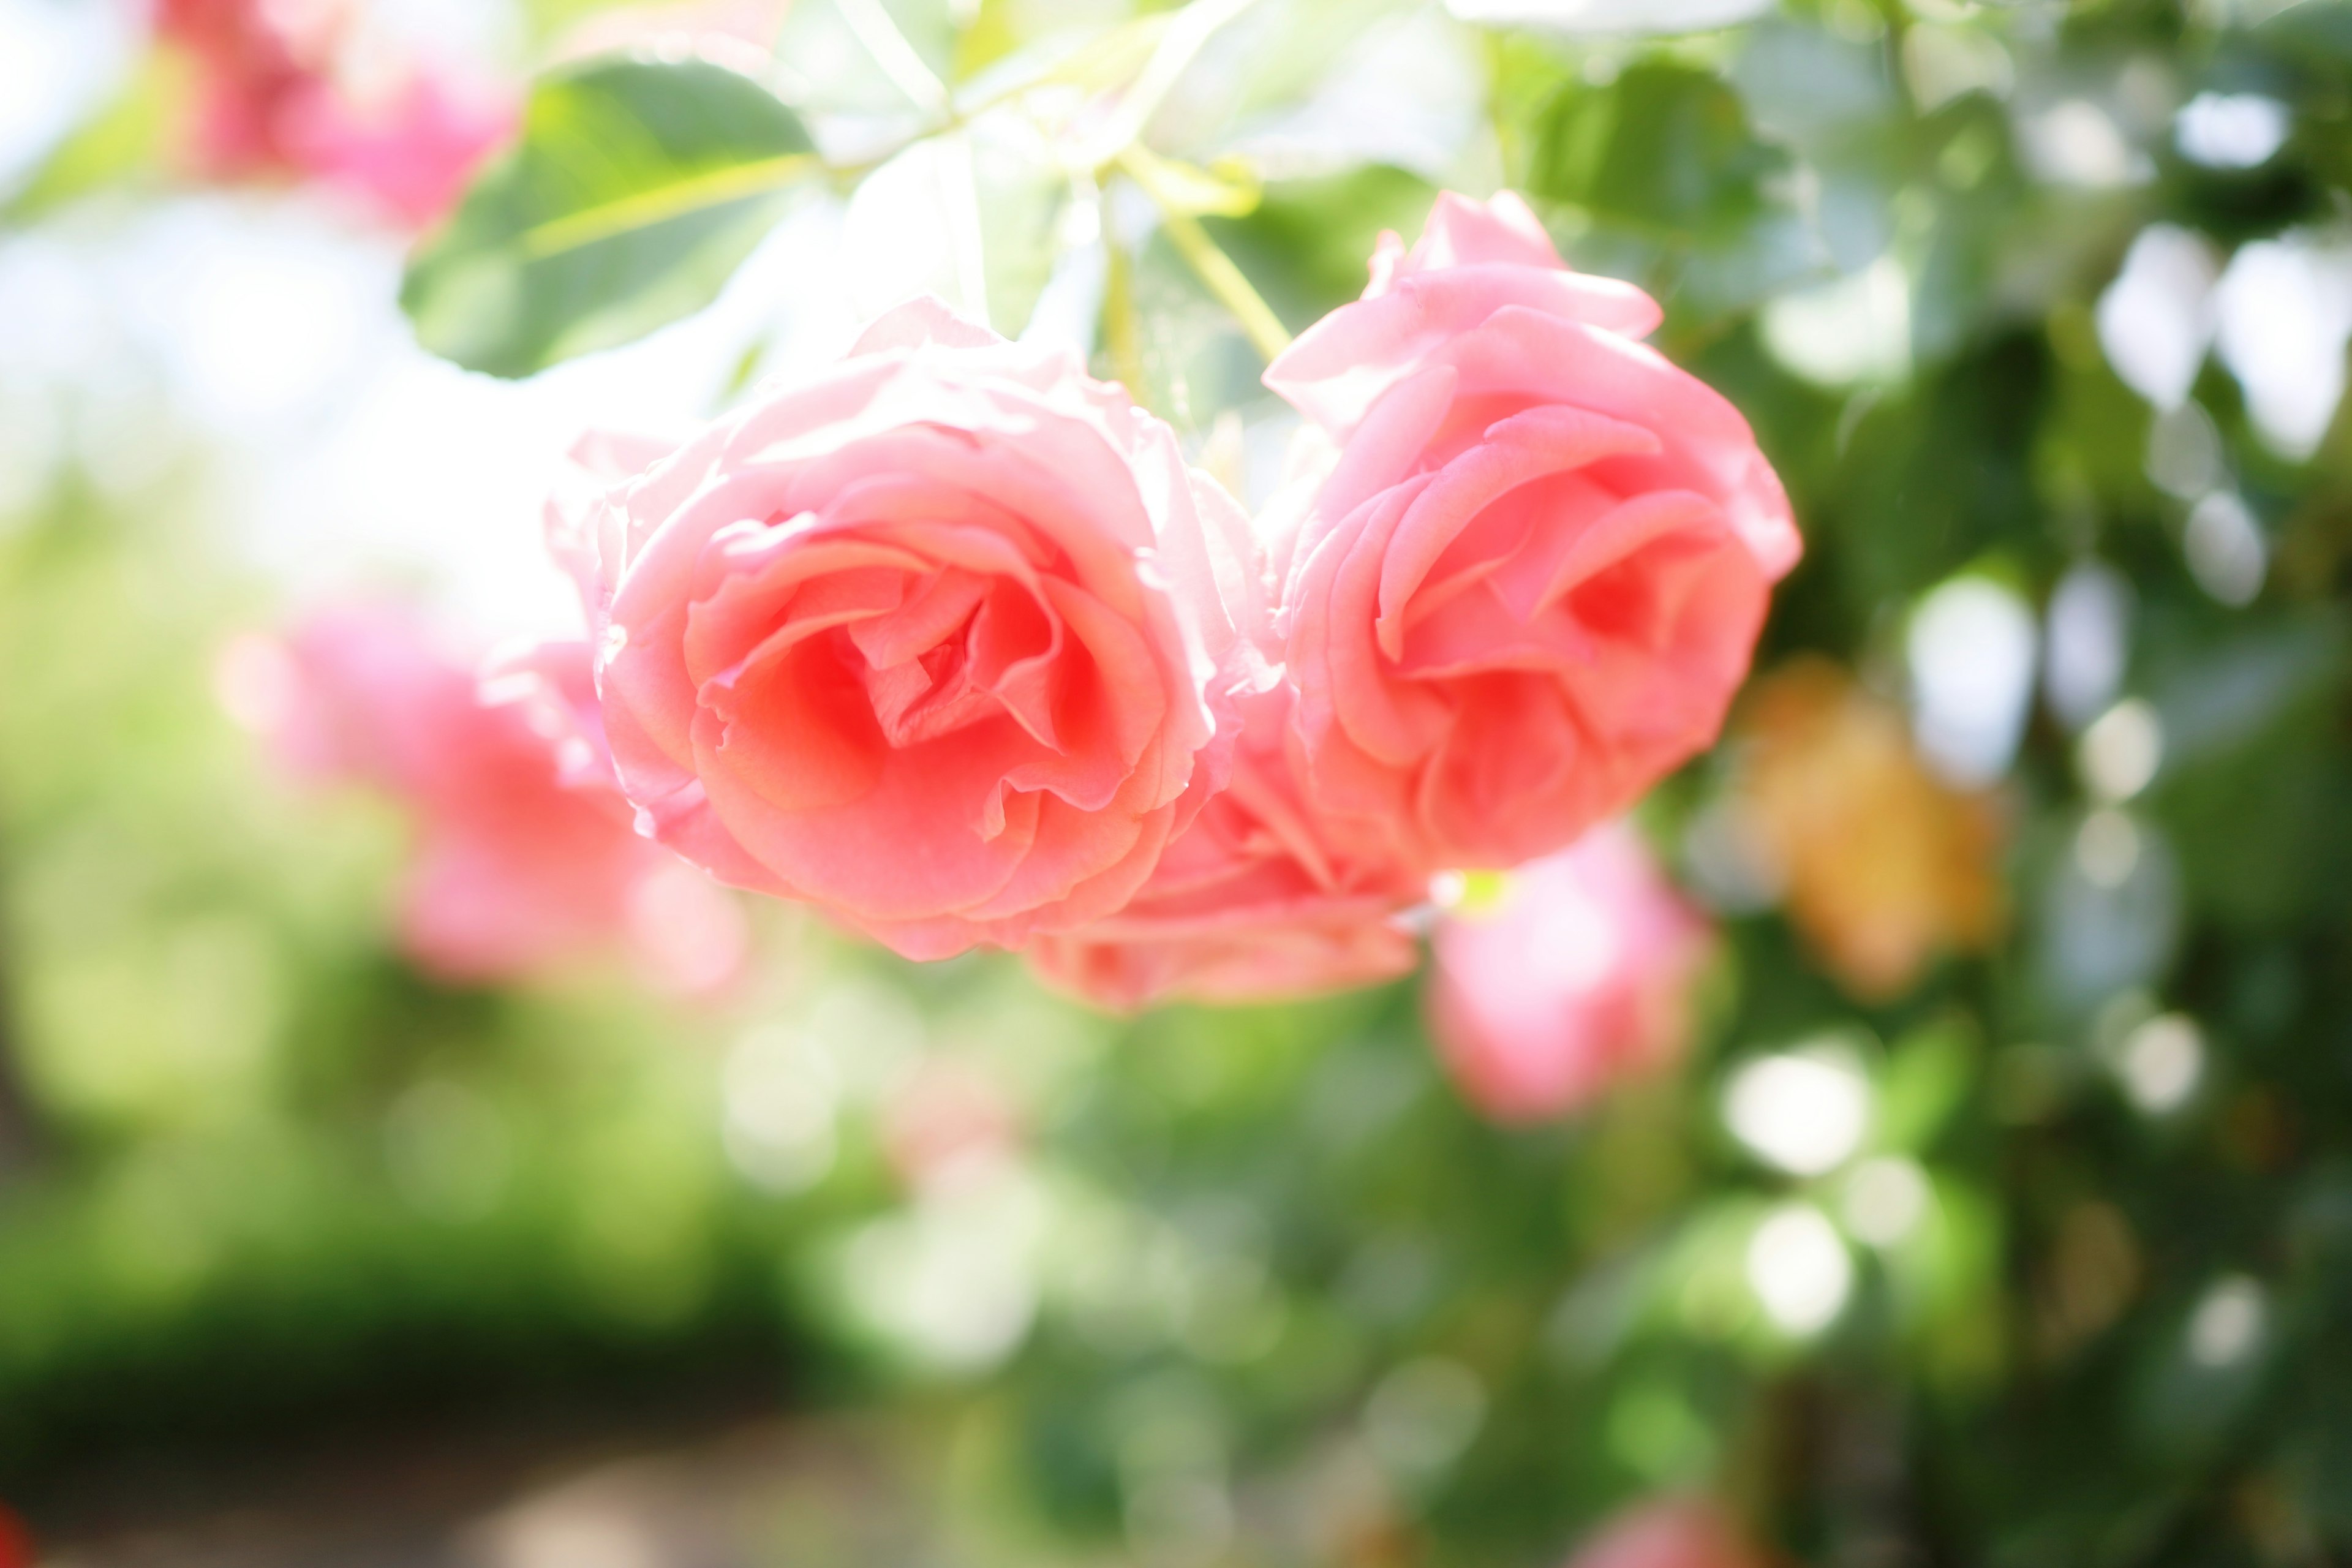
(1663, 147)
(636, 190)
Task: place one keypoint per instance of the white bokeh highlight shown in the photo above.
(2231, 130)
(1971, 651)
(1611, 16)
(2161, 1062)
(2089, 641)
(1852, 331)
(1799, 1269)
(2156, 320)
(57, 63)
(2284, 311)
(1803, 1111)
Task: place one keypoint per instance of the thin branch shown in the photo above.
(1122, 336)
(1211, 265)
(871, 21)
(22, 1143)
(1188, 33)
(960, 192)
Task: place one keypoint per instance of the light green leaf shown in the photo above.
(121, 144)
(635, 190)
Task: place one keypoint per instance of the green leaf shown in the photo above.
(120, 143)
(635, 190)
(1926, 1078)
(1665, 148)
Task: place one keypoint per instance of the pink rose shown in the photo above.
(270, 98)
(931, 639)
(248, 62)
(407, 154)
(1539, 564)
(524, 854)
(1578, 976)
(1254, 901)
(1668, 1532)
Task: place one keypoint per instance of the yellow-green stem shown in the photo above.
(1211, 265)
(1121, 338)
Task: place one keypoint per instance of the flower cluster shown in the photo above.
(948, 641)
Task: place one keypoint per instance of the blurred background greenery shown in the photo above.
(2002, 1213)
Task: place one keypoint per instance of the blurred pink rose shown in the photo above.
(947, 1120)
(17, 1549)
(249, 62)
(409, 152)
(1669, 1532)
(1253, 902)
(1578, 976)
(1537, 569)
(524, 854)
(932, 640)
(272, 99)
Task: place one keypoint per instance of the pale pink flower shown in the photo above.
(408, 153)
(524, 854)
(1537, 569)
(1669, 1532)
(936, 639)
(1576, 976)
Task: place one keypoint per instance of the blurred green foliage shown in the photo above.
(1254, 1286)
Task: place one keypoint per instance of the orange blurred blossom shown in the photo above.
(1883, 866)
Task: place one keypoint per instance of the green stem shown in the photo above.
(1188, 33)
(1122, 339)
(899, 59)
(1211, 265)
(22, 1143)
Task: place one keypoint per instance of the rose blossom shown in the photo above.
(410, 152)
(1251, 903)
(248, 63)
(1668, 1532)
(1579, 976)
(525, 855)
(270, 98)
(930, 639)
(1537, 569)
